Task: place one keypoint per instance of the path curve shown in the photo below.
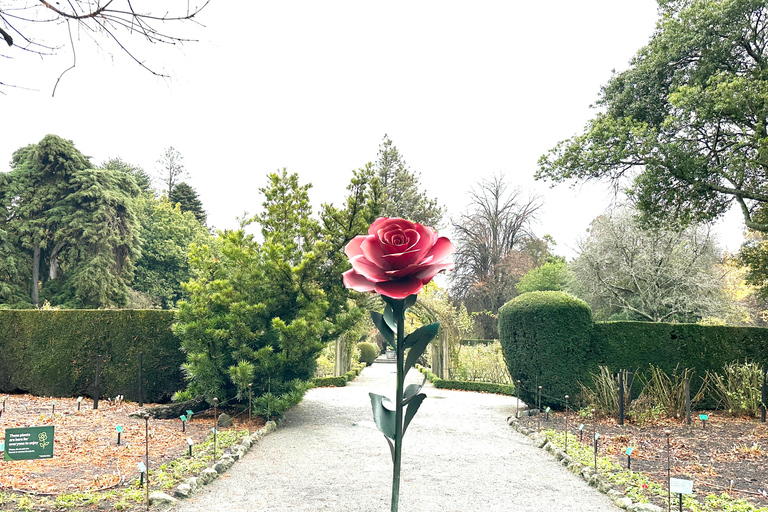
(459, 455)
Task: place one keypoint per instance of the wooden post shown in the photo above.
(687, 385)
(97, 381)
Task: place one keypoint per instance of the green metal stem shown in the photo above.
(400, 319)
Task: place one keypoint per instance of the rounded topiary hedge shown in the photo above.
(546, 341)
(368, 353)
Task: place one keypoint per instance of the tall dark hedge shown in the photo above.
(699, 347)
(546, 338)
(56, 353)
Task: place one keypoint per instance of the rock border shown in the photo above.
(586, 472)
(193, 484)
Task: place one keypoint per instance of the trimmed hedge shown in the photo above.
(56, 353)
(463, 385)
(338, 382)
(546, 338)
(368, 352)
(549, 339)
(699, 347)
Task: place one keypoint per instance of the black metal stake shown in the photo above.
(250, 397)
(53, 409)
(669, 473)
(214, 443)
(146, 451)
(97, 381)
(629, 461)
(118, 439)
(566, 424)
(183, 425)
(687, 390)
(681, 502)
(765, 395)
(141, 380)
(538, 416)
(216, 411)
(621, 397)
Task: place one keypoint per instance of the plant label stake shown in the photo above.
(183, 423)
(119, 429)
(629, 457)
(547, 411)
(53, 409)
(703, 418)
(189, 415)
(4, 399)
(566, 424)
(581, 433)
(189, 442)
(597, 436)
(680, 487)
(216, 410)
(79, 401)
(142, 469)
(214, 442)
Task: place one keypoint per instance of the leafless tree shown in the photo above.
(26, 25)
(490, 242)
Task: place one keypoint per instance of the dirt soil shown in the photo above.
(725, 454)
(86, 454)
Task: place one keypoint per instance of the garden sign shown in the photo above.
(28, 443)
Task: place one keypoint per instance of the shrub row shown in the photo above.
(550, 340)
(339, 382)
(462, 385)
(57, 353)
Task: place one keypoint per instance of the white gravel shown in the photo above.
(459, 455)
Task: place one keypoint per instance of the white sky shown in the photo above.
(464, 90)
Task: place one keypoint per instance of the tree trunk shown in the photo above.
(53, 268)
(36, 274)
(171, 411)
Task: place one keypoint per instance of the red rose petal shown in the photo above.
(428, 272)
(441, 250)
(352, 248)
(365, 268)
(357, 282)
(399, 289)
(374, 252)
(402, 260)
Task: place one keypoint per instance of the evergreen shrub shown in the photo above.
(546, 338)
(368, 353)
(56, 353)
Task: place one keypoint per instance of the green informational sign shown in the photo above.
(28, 443)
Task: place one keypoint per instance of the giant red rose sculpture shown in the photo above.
(397, 258)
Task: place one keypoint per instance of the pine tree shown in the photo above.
(187, 198)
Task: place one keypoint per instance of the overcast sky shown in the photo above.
(463, 89)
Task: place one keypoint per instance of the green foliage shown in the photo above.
(56, 352)
(401, 188)
(538, 347)
(664, 393)
(188, 200)
(368, 353)
(738, 388)
(482, 363)
(256, 303)
(270, 405)
(76, 225)
(687, 120)
(551, 276)
(167, 233)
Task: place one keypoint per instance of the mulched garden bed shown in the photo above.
(86, 454)
(727, 454)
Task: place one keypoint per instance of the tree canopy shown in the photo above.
(685, 126)
(625, 271)
(403, 197)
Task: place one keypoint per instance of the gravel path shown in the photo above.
(459, 455)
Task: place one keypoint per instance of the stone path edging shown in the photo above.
(586, 472)
(193, 484)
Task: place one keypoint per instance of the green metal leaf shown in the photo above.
(389, 317)
(413, 407)
(391, 448)
(412, 390)
(383, 327)
(418, 341)
(383, 417)
(426, 331)
(410, 301)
